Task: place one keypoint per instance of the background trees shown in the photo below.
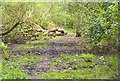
(97, 22)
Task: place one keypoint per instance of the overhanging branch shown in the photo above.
(5, 33)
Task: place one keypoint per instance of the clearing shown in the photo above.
(60, 58)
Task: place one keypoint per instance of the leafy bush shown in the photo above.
(97, 22)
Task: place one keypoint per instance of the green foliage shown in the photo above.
(97, 22)
(87, 57)
(65, 57)
(14, 74)
(3, 48)
(70, 30)
(1, 68)
(112, 62)
(87, 64)
(105, 26)
(74, 61)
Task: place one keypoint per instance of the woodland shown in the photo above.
(59, 40)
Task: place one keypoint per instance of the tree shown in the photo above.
(20, 17)
(97, 22)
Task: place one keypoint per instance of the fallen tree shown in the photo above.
(18, 23)
(38, 29)
(5, 33)
(51, 32)
(56, 32)
(22, 36)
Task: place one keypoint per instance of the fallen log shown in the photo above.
(61, 30)
(52, 30)
(56, 32)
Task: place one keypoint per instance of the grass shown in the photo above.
(43, 39)
(96, 73)
(76, 66)
(29, 47)
(0, 68)
(30, 44)
(70, 30)
(73, 61)
(84, 66)
(87, 57)
(13, 67)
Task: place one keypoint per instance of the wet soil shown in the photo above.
(65, 45)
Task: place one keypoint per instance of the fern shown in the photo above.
(4, 51)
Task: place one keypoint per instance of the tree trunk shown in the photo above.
(78, 27)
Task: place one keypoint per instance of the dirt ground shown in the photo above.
(68, 44)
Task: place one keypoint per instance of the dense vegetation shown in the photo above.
(25, 30)
(98, 22)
